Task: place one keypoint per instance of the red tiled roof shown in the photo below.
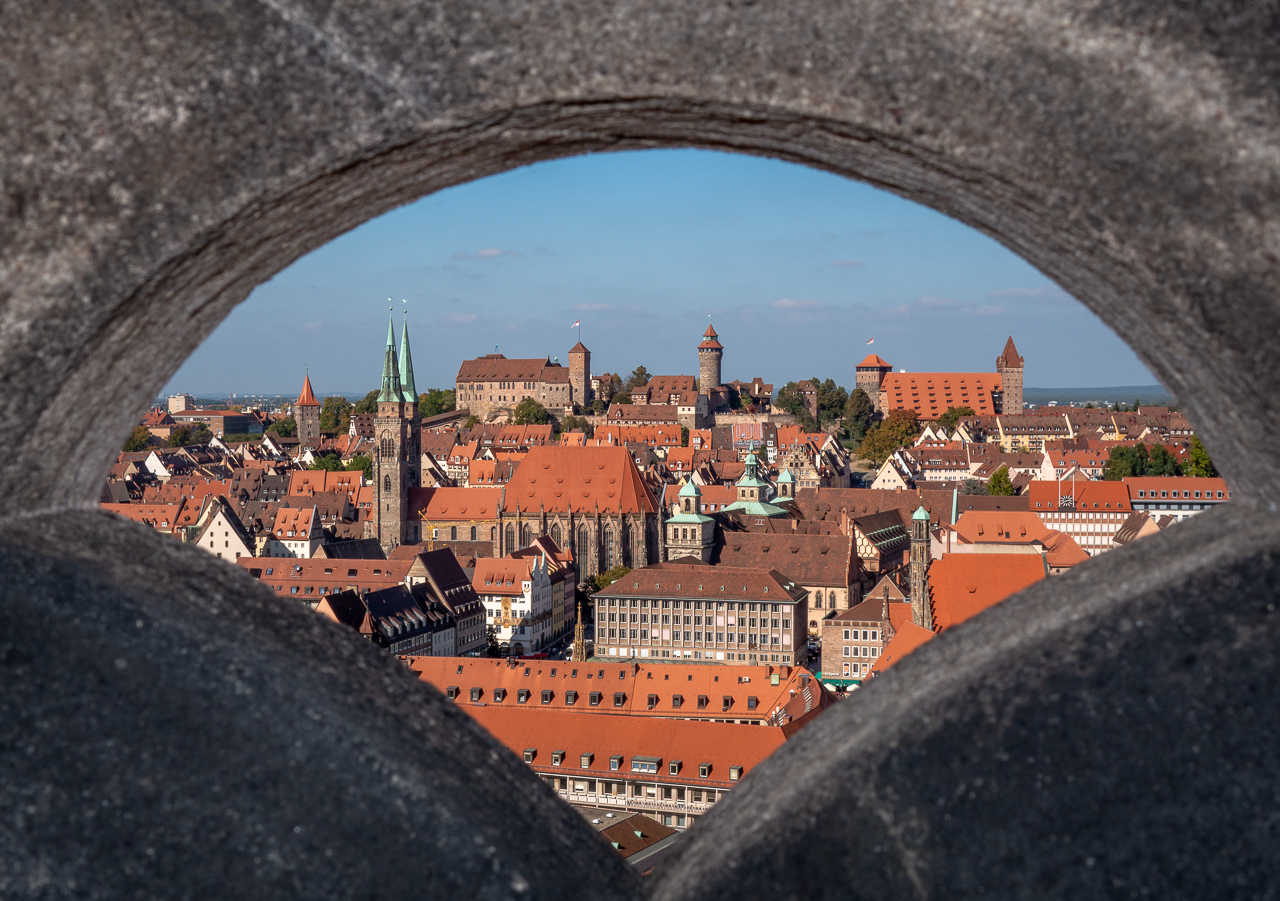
(295, 524)
(455, 503)
(315, 481)
(494, 576)
(1044, 496)
(581, 479)
(877, 361)
(722, 745)
(307, 398)
(496, 367)
(906, 639)
(963, 585)
(929, 394)
(162, 517)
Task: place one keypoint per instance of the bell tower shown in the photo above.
(921, 610)
(306, 413)
(397, 464)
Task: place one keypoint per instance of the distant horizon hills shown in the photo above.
(1156, 395)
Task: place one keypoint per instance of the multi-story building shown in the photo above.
(447, 584)
(296, 532)
(491, 384)
(1090, 512)
(516, 593)
(397, 464)
(930, 394)
(825, 566)
(1176, 496)
(702, 613)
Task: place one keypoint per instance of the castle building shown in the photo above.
(306, 413)
(491, 384)
(930, 394)
(397, 464)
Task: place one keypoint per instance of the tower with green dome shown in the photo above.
(690, 533)
(753, 493)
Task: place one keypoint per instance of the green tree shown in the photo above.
(951, 418)
(858, 412)
(570, 423)
(639, 378)
(530, 412)
(598, 406)
(437, 401)
(896, 430)
(327, 462)
(361, 462)
(1198, 462)
(1000, 484)
(201, 435)
(369, 404)
(180, 437)
(1162, 462)
(790, 400)
(335, 414)
(621, 397)
(139, 439)
(285, 428)
(1126, 462)
(684, 436)
(974, 486)
(491, 642)
(831, 399)
(608, 577)
(471, 423)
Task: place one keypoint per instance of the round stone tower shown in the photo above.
(710, 353)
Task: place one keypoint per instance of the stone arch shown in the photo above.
(1137, 174)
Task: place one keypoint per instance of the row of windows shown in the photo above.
(643, 619)
(743, 606)
(1186, 494)
(695, 635)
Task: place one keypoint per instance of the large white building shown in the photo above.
(517, 593)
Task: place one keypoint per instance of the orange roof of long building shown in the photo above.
(1045, 496)
(687, 742)
(455, 503)
(906, 639)
(314, 481)
(929, 394)
(963, 585)
(578, 479)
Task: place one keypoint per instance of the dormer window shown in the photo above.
(704, 770)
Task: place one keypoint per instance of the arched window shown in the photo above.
(493, 533)
(526, 535)
(386, 484)
(473, 533)
(387, 448)
(453, 533)
(584, 542)
(607, 538)
(510, 537)
(555, 534)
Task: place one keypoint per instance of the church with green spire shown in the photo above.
(397, 463)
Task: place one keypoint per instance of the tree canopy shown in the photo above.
(638, 379)
(368, 405)
(139, 439)
(1000, 485)
(896, 430)
(530, 412)
(858, 413)
(831, 400)
(362, 463)
(1198, 462)
(1139, 460)
(327, 462)
(335, 414)
(285, 428)
(436, 401)
(974, 486)
(949, 419)
(581, 423)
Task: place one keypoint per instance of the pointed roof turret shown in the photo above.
(875, 361)
(709, 341)
(407, 388)
(710, 332)
(579, 348)
(390, 392)
(308, 397)
(1009, 359)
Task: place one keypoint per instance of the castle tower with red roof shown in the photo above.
(871, 373)
(306, 413)
(1009, 365)
(710, 353)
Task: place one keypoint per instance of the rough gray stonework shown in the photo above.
(159, 160)
(171, 729)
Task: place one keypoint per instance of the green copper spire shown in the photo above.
(390, 368)
(406, 367)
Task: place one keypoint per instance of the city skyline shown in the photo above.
(797, 267)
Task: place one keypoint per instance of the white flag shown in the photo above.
(872, 341)
(576, 323)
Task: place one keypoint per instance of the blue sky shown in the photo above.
(799, 269)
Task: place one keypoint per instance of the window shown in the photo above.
(673, 768)
(615, 762)
(645, 764)
(594, 699)
(702, 702)
(522, 694)
(547, 696)
(735, 773)
(584, 761)
(557, 757)
(386, 484)
(529, 754)
(451, 692)
(499, 695)
(570, 698)
(619, 698)
(752, 702)
(704, 770)
(677, 701)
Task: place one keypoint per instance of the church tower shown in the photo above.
(710, 353)
(690, 533)
(580, 376)
(921, 610)
(1009, 366)
(306, 413)
(397, 465)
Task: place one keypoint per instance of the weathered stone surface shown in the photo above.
(170, 729)
(157, 161)
(1108, 733)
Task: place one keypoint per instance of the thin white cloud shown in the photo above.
(458, 318)
(312, 326)
(930, 303)
(1047, 292)
(611, 308)
(485, 253)
(807, 306)
(848, 264)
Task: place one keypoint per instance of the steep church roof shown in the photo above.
(407, 389)
(307, 398)
(391, 391)
(1010, 358)
(581, 479)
